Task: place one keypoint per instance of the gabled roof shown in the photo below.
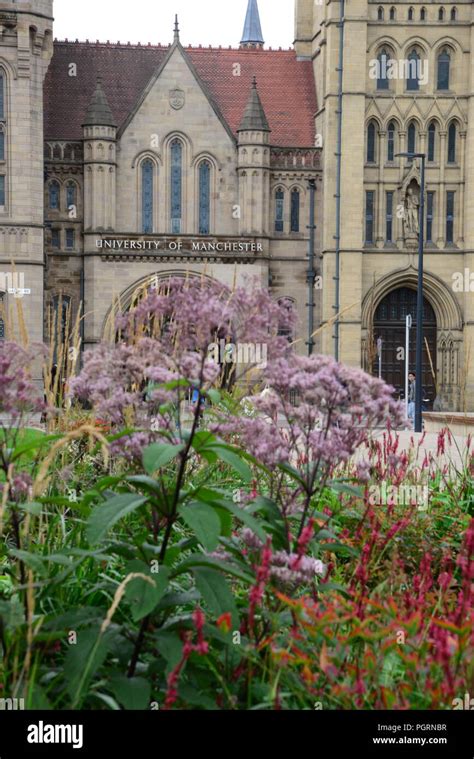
(286, 86)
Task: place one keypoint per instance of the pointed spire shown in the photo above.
(99, 112)
(252, 36)
(254, 118)
(176, 29)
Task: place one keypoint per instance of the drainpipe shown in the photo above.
(337, 277)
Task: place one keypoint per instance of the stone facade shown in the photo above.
(419, 118)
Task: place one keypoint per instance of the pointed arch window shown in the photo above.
(2, 95)
(413, 71)
(392, 13)
(452, 142)
(453, 14)
(380, 13)
(148, 171)
(410, 13)
(71, 195)
(204, 197)
(295, 210)
(423, 14)
(54, 195)
(391, 142)
(411, 144)
(382, 78)
(176, 186)
(279, 210)
(444, 61)
(441, 14)
(371, 137)
(2, 145)
(431, 141)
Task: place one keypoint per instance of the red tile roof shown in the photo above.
(286, 86)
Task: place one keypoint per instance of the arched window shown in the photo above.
(2, 145)
(148, 171)
(176, 186)
(392, 13)
(444, 60)
(441, 14)
(279, 210)
(2, 95)
(423, 14)
(380, 13)
(204, 197)
(452, 142)
(431, 141)
(410, 13)
(54, 195)
(371, 135)
(391, 141)
(413, 71)
(382, 78)
(453, 14)
(295, 210)
(411, 145)
(71, 195)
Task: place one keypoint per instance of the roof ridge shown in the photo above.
(160, 46)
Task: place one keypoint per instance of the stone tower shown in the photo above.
(26, 47)
(428, 112)
(254, 166)
(99, 164)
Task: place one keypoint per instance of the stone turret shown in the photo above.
(100, 132)
(254, 166)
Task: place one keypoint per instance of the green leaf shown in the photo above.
(204, 522)
(198, 560)
(83, 660)
(103, 517)
(159, 455)
(132, 692)
(142, 596)
(246, 518)
(31, 560)
(229, 456)
(170, 647)
(216, 593)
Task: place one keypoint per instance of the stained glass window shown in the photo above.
(391, 142)
(279, 210)
(452, 143)
(204, 197)
(71, 194)
(449, 216)
(444, 60)
(413, 71)
(382, 78)
(412, 138)
(176, 186)
(295, 210)
(147, 196)
(2, 95)
(54, 192)
(431, 141)
(371, 143)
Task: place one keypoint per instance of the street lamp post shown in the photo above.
(419, 302)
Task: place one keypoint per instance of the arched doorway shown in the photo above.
(389, 324)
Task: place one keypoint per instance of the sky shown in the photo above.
(202, 22)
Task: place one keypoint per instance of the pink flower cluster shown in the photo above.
(19, 395)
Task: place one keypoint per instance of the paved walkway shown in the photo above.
(455, 453)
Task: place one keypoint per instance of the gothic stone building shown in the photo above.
(121, 164)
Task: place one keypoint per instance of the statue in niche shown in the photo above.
(411, 216)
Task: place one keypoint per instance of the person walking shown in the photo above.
(411, 395)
